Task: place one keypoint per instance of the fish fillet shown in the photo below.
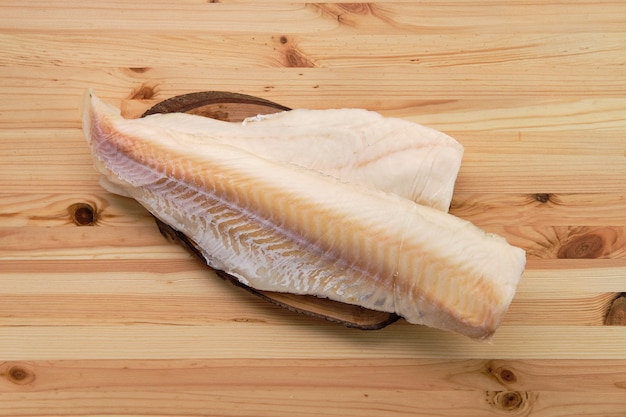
(277, 226)
(355, 145)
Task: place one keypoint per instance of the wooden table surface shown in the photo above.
(100, 315)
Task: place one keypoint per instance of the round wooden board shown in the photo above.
(234, 107)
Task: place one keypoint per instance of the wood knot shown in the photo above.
(543, 197)
(350, 14)
(83, 214)
(143, 92)
(296, 59)
(19, 375)
(514, 402)
(291, 55)
(589, 245)
(506, 375)
(503, 374)
(356, 8)
(139, 70)
(616, 316)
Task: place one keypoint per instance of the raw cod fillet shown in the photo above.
(356, 145)
(281, 227)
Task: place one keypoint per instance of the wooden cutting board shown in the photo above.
(235, 108)
(101, 315)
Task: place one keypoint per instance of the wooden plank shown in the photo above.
(402, 387)
(530, 165)
(231, 339)
(263, 17)
(506, 53)
(145, 242)
(24, 237)
(218, 304)
(541, 280)
(313, 402)
(423, 101)
(449, 98)
(206, 375)
(232, 402)
(483, 209)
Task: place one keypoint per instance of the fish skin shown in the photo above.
(355, 145)
(280, 227)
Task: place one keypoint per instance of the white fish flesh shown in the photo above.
(356, 145)
(277, 226)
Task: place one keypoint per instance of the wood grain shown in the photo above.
(100, 315)
(232, 387)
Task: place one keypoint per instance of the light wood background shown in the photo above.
(99, 315)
